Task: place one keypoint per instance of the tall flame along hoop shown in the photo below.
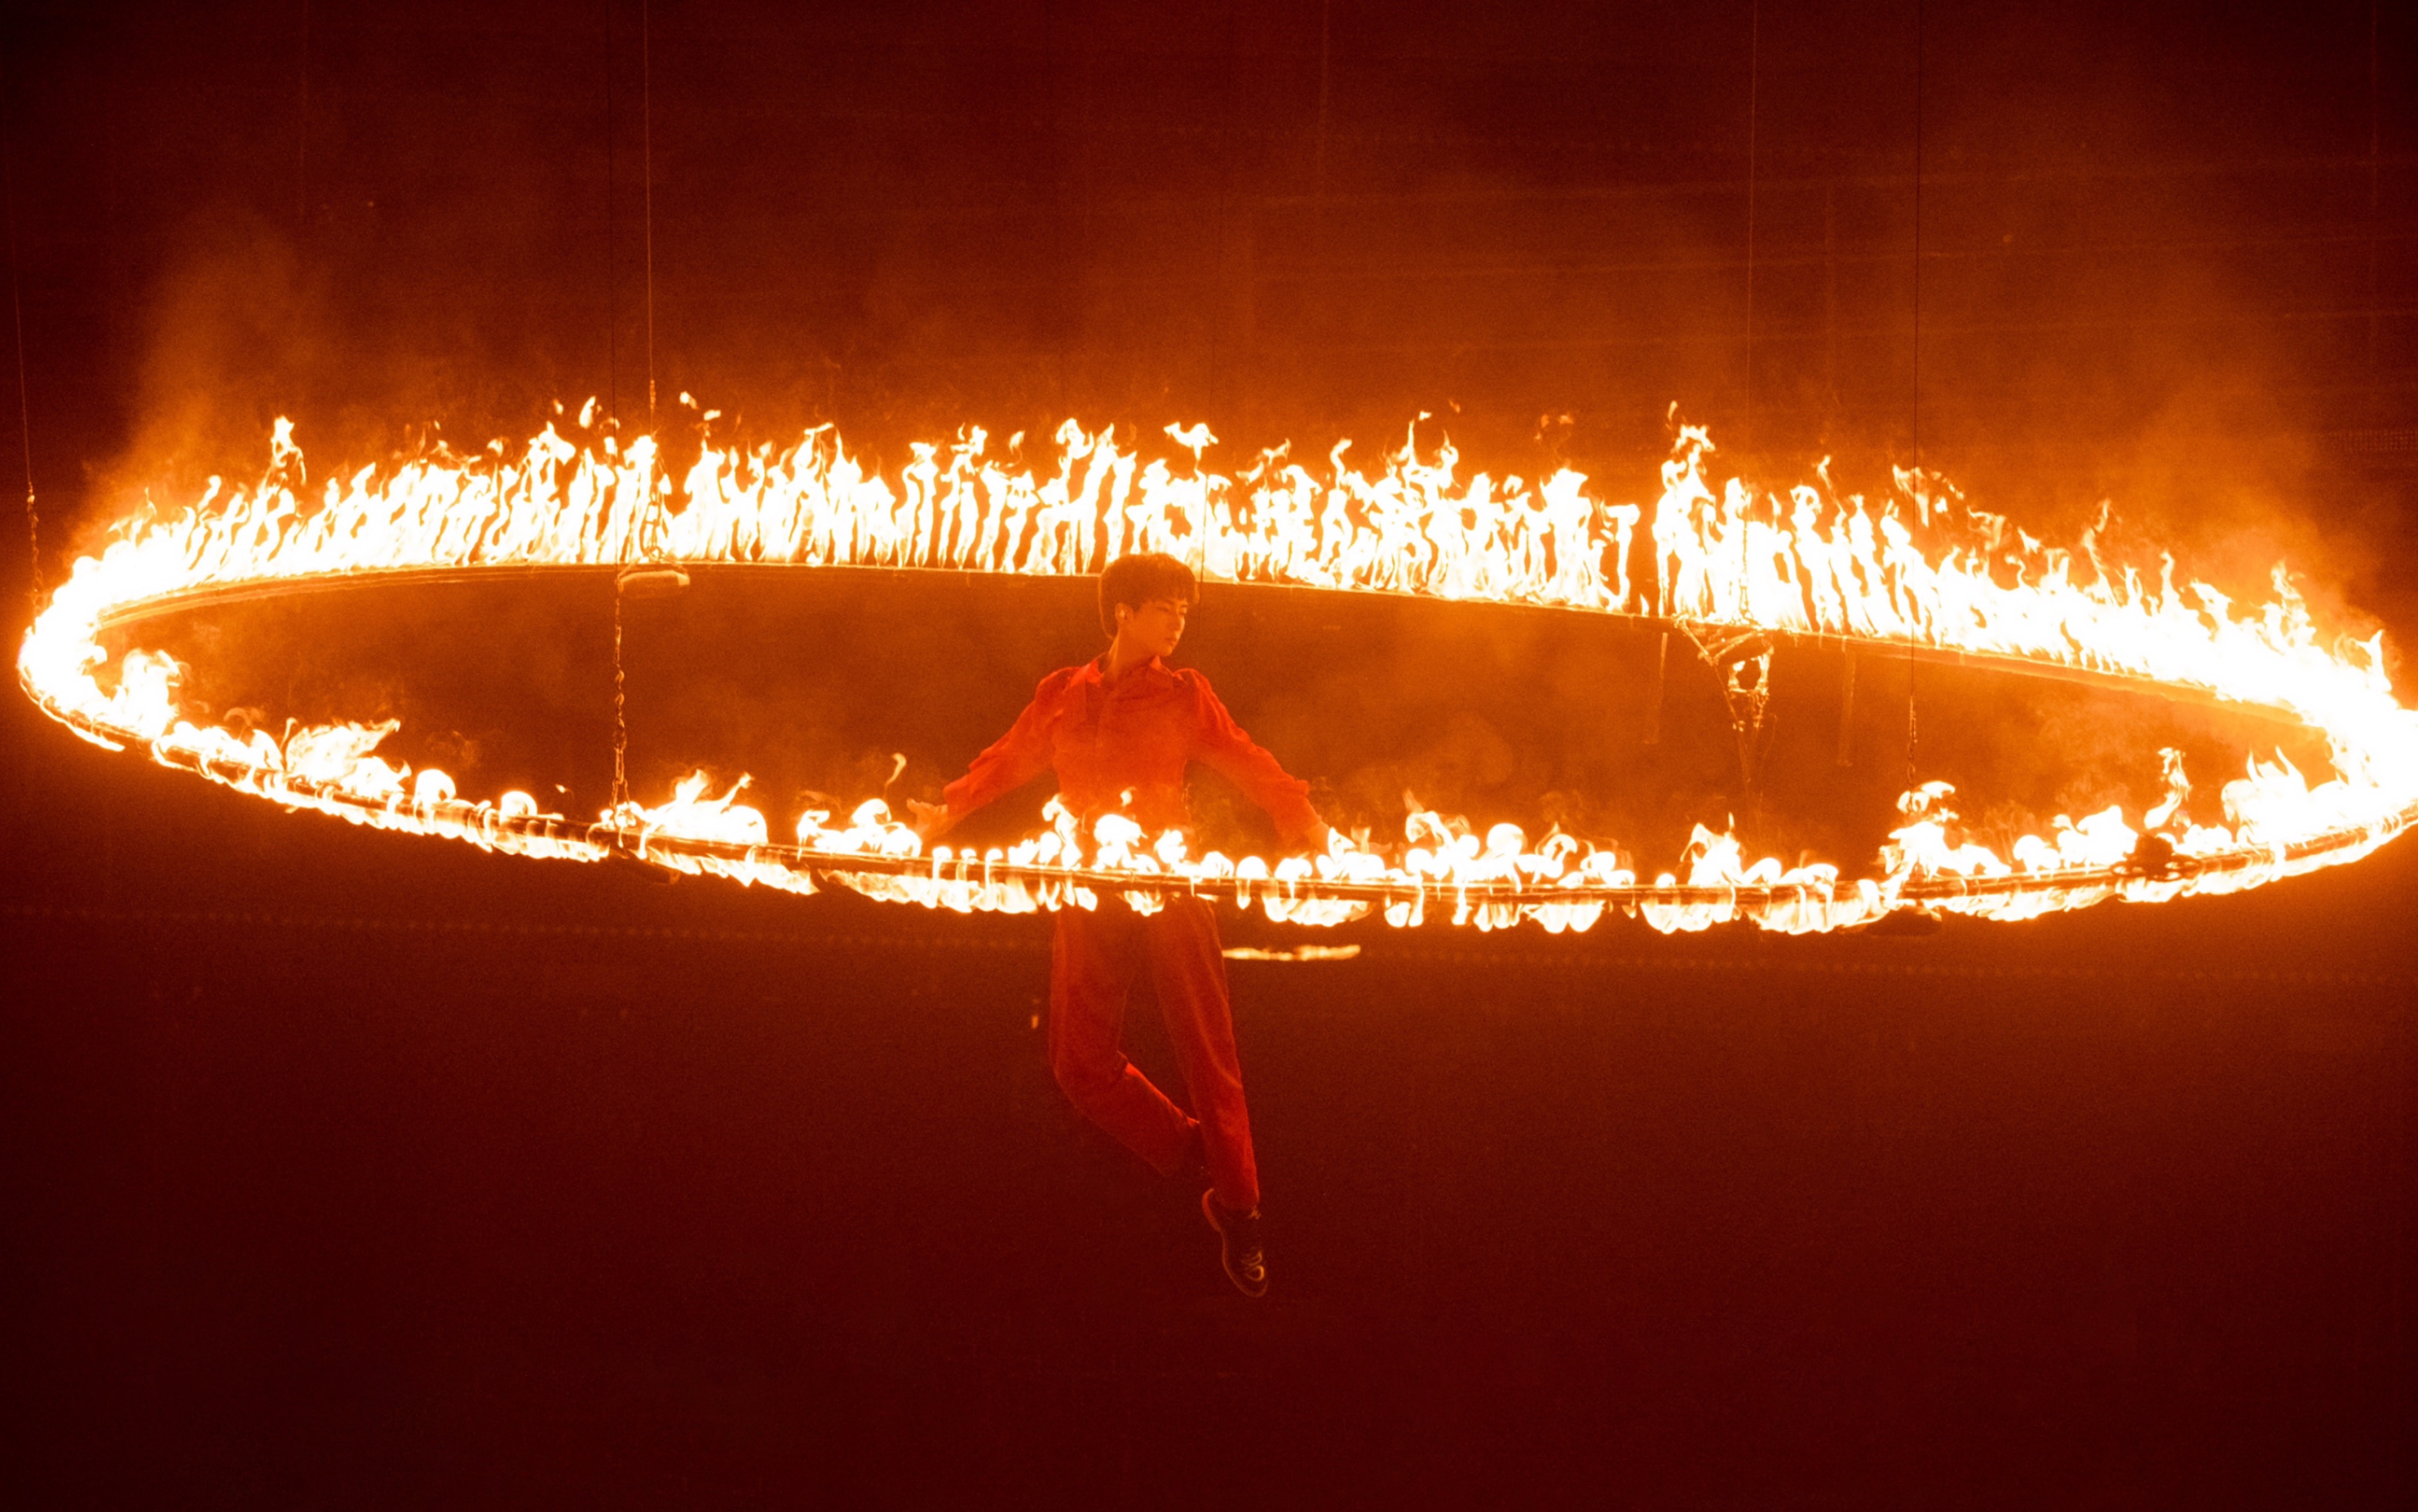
(1917, 574)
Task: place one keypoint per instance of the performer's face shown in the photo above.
(1154, 628)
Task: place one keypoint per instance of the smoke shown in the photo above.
(234, 332)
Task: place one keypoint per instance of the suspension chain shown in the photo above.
(620, 713)
(1913, 728)
(649, 526)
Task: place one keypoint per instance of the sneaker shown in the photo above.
(1238, 1235)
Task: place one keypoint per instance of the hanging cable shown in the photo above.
(647, 151)
(302, 146)
(637, 578)
(1745, 664)
(1318, 152)
(1318, 143)
(1753, 93)
(1918, 235)
(17, 312)
(612, 261)
(1913, 727)
(2374, 221)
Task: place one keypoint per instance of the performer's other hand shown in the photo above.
(926, 819)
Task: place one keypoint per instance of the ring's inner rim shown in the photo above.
(641, 842)
(134, 612)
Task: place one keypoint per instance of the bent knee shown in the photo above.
(1087, 1078)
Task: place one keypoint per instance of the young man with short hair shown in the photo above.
(1128, 722)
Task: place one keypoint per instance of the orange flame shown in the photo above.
(1920, 568)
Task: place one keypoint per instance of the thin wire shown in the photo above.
(1754, 84)
(612, 261)
(1753, 92)
(302, 148)
(2376, 416)
(646, 140)
(25, 407)
(1830, 311)
(647, 146)
(1318, 155)
(1318, 148)
(1913, 726)
(1918, 235)
(2375, 151)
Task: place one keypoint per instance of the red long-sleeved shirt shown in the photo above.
(1139, 735)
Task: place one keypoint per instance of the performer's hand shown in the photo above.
(926, 819)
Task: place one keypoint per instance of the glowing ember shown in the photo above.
(1918, 569)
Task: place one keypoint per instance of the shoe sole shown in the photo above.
(1209, 1215)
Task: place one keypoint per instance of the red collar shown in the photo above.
(1153, 669)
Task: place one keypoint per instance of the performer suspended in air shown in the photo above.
(1128, 722)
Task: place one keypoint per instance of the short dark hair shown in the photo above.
(1136, 580)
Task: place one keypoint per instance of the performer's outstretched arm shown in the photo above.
(1225, 749)
(1013, 759)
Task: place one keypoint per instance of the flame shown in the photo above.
(1919, 567)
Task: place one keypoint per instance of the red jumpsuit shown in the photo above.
(1138, 736)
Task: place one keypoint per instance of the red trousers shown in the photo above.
(1092, 968)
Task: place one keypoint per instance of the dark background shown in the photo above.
(343, 1168)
